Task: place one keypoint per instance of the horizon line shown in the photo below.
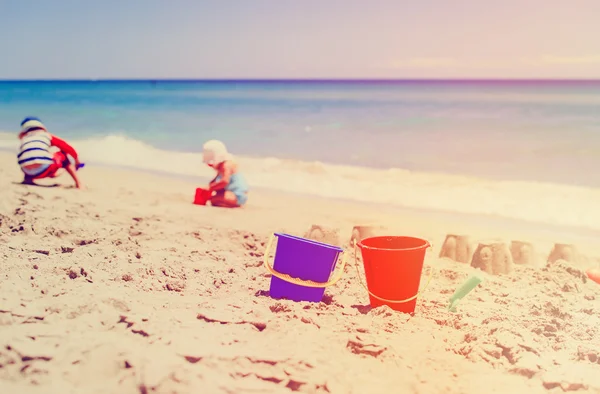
(266, 80)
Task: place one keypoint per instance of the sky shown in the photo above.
(83, 39)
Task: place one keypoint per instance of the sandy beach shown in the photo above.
(127, 287)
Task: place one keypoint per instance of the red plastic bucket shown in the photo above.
(393, 268)
(202, 196)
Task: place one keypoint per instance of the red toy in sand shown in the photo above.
(594, 274)
(202, 196)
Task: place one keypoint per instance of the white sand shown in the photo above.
(129, 288)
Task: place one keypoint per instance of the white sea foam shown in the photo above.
(538, 202)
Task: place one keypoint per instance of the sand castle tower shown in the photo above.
(565, 252)
(493, 257)
(323, 234)
(457, 248)
(361, 232)
(523, 253)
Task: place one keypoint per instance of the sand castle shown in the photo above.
(366, 231)
(457, 248)
(493, 257)
(565, 252)
(323, 234)
(523, 253)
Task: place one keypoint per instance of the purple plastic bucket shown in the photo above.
(304, 259)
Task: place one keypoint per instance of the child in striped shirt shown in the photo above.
(36, 158)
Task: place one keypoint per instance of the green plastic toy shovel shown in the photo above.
(463, 290)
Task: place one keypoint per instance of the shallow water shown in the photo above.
(526, 150)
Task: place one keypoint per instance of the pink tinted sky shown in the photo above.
(300, 39)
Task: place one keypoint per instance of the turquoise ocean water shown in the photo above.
(521, 149)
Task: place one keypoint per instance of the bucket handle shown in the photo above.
(384, 299)
(298, 281)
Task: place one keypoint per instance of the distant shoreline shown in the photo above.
(316, 80)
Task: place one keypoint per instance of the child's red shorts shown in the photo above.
(60, 160)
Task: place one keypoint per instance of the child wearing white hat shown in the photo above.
(229, 187)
